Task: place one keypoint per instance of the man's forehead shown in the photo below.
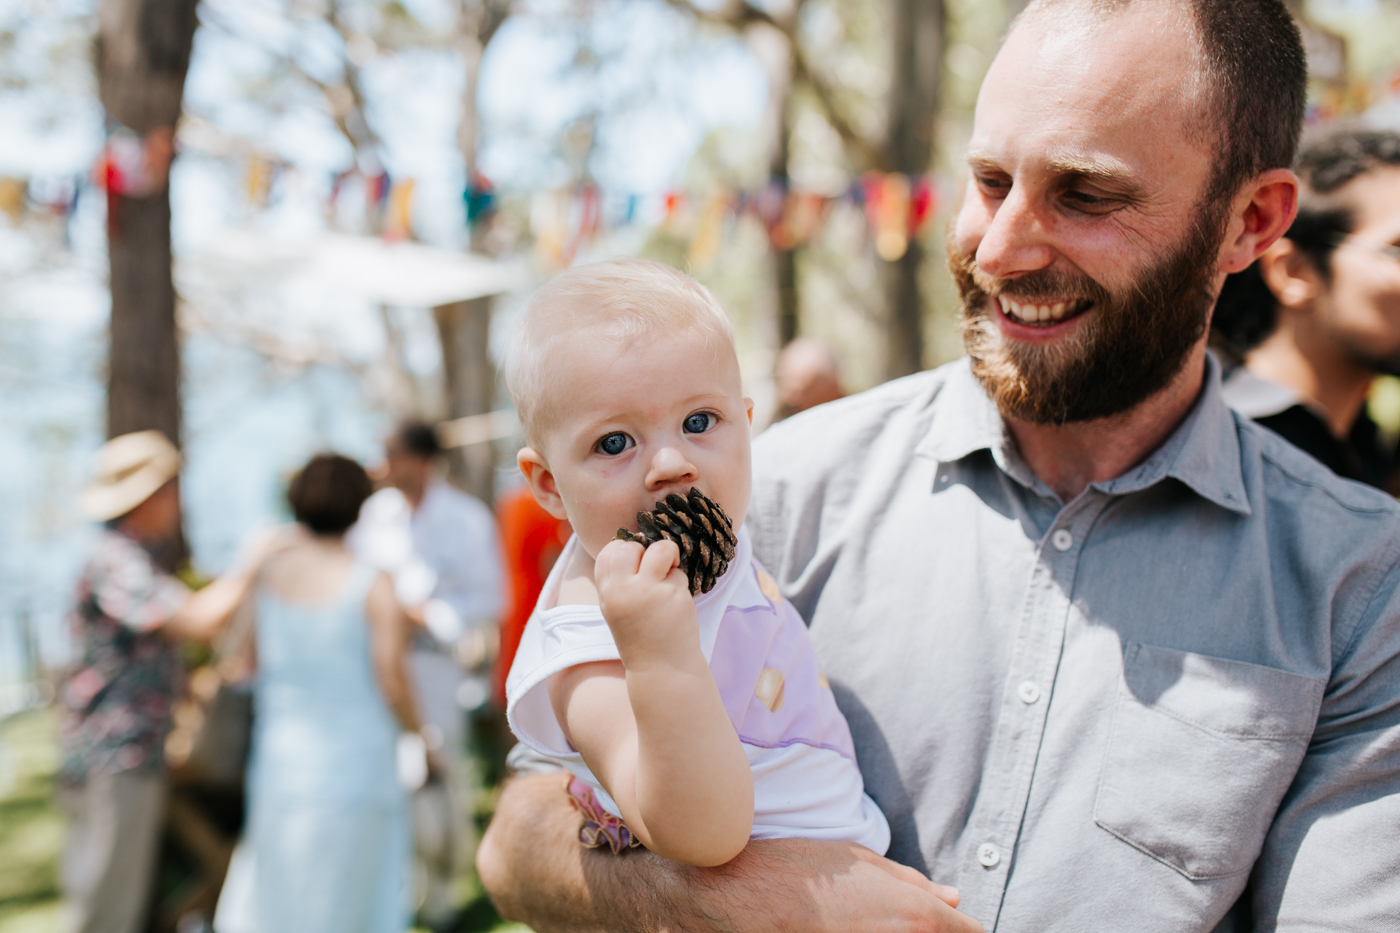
(1079, 79)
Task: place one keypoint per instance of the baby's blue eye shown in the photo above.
(699, 422)
(614, 444)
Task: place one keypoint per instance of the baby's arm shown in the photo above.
(653, 728)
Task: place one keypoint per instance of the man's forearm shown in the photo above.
(537, 873)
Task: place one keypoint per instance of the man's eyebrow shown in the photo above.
(1092, 167)
(1108, 171)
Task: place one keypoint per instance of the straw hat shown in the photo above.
(129, 470)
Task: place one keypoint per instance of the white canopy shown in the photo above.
(403, 274)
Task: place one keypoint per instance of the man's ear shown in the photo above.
(1260, 214)
(1290, 275)
(541, 481)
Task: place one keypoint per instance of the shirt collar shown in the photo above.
(1203, 452)
(1256, 397)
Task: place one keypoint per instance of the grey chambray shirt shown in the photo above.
(1172, 704)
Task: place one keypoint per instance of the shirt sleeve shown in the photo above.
(1331, 857)
(128, 588)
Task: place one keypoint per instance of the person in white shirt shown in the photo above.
(441, 547)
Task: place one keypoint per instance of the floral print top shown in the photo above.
(119, 699)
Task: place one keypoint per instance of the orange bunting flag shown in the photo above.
(890, 216)
(673, 203)
(802, 218)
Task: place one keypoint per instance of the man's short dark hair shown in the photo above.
(418, 438)
(1328, 161)
(327, 493)
(1257, 75)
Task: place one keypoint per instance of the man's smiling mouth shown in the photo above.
(1025, 311)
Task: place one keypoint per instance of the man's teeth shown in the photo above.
(1034, 313)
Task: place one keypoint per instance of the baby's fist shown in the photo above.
(646, 600)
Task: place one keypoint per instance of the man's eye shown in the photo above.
(614, 444)
(995, 187)
(699, 422)
(1090, 203)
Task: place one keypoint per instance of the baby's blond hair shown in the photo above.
(627, 299)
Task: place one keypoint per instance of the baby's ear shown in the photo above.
(541, 481)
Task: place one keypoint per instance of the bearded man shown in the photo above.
(1113, 657)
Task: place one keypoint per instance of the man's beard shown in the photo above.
(1128, 348)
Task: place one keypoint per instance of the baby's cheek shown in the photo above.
(595, 533)
(732, 491)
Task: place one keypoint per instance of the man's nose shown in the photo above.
(1015, 240)
(669, 467)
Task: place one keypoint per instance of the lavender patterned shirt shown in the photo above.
(118, 700)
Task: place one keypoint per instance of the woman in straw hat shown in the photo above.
(128, 617)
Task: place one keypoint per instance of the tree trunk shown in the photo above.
(464, 330)
(785, 260)
(774, 51)
(143, 52)
(917, 30)
(143, 369)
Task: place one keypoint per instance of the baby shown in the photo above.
(690, 724)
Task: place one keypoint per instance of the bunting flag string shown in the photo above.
(897, 209)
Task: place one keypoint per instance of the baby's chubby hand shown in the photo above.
(646, 601)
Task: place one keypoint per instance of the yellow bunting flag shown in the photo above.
(705, 244)
(398, 221)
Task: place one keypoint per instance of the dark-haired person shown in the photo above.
(327, 846)
(441, 547)
(1114, 657)
(129, 616)
(1317, 317)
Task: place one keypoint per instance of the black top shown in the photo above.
(1362, 456)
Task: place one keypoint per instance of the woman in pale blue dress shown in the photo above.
(327, 845)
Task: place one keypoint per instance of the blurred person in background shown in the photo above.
(327, 846)
(1317, 316)
(531, 540)
(807, 375)
(440, 547)
(128, 618)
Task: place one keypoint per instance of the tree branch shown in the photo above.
(738, 15)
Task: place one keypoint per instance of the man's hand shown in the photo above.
(646, 601)
(535, 871)
(784, 885)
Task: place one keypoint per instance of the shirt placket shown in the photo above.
(1023, 707)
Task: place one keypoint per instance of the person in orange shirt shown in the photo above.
(531, 541)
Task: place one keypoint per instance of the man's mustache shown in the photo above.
(1041, 284)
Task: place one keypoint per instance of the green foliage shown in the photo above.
(31, 826)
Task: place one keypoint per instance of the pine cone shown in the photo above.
(700, 529)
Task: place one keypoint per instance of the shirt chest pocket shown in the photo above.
(1200, 754)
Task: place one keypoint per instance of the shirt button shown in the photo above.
(1028, 692)
(988, 854)
(1062, 539)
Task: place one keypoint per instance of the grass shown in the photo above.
(31, 826)
(32, 831)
